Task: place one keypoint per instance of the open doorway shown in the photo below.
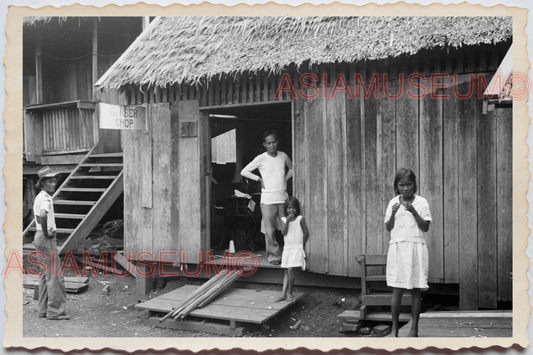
(236, 139)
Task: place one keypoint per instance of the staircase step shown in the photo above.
(83, 189)
(93, 177)
(59, 230)
(384, 299)
(107, 155)
(376, 278)
(352, 315)
(88, 165)
(74, 203)
(70, 216)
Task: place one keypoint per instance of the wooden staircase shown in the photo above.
(83, 199)
(372, 272)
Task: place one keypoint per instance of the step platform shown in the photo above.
(463, 324)
(230, 308)
(352, 320)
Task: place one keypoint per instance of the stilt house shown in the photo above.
(354, 99)
(63, 59)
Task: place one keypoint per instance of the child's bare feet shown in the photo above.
(283, 297)
(394, 332)
(413, 333)
(290, 298)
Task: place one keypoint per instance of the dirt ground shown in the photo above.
(96, 315)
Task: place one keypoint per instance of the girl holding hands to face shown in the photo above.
(407, 218)
(295, 234)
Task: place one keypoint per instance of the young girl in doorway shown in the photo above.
(295, 234)
(407, 218)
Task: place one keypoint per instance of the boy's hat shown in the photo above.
(46, 172)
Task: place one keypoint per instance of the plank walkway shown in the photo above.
(461, 324)
(233, 305)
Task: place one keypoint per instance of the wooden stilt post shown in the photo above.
(143, 284)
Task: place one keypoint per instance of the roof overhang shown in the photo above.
(499, 88)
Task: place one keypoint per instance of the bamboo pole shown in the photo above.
(193, 304)
(218, 292)
(200, 289)
(191, 298)
(208, 296)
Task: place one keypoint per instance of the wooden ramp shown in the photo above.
(232, 306)
(460, 324)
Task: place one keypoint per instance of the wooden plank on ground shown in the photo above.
(222, 308)
(31, 280)
(205, 327)
(456, 327)
(70, 287)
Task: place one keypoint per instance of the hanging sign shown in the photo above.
(122, 117)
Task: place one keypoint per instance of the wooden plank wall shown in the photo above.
(66, 129)
(452, 147)
(346, 152)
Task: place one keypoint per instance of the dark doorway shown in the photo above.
(236, 139)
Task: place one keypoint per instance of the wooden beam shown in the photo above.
(205, 327)
(126, 264)
(38, 67)
(95, 56)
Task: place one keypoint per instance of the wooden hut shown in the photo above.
(355, 98)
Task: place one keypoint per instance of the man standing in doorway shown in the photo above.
(275, 168)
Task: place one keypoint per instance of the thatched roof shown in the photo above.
(34, 20)
(189, 49)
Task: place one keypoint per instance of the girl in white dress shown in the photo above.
(407, 218)
(295, 234)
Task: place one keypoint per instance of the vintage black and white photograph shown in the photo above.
(268, 177)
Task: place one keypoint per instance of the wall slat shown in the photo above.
(190, 176)
(318, 258)
(355, 184)
(335, 187)
(162, 189)
(388, 144)
(504, 177)
(372, 177)
(407, 130)
(450, 193)
(468, 242)
(487, 209)
(430, 178)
